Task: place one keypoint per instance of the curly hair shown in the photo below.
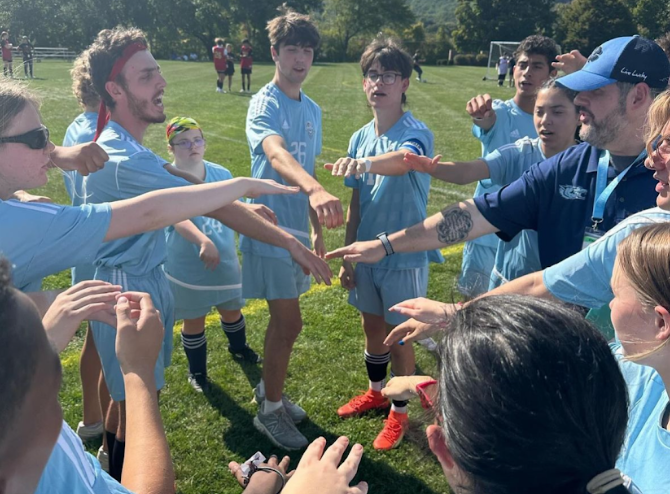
(82, 85)
(538, 45)
(105, 51)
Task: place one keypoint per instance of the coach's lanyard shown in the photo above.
(603, 190)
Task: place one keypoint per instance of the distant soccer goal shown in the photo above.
(497, 50)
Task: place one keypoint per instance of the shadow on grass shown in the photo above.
(243, 439)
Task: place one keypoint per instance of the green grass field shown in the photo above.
(205, 433)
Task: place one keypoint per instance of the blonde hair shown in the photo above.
(644, 259)
(657, 117)
(14, 97)
(82, 84)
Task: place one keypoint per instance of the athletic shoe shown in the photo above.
(418, 79)
(296, 412)
(88, 432)
(358, 405)
(243, 91)
(393, 431)
(280, 429)
(246, 354)
(103, 458)
(219, 90)
(199, 382)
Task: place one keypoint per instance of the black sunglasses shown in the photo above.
(34, 139)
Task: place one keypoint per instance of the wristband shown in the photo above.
(386, 243)
(426, 401)
(275, 470)
(368, 165)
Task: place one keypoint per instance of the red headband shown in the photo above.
(103, 114)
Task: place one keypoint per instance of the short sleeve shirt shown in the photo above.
(391, 203)
(645, 455)
(298, 123)
(132, 170)
(520, 256)
(42, 239)
(183, 260)
(584, 278)
(555, 198)
(71, 470)
(512, 123)
(81, 130)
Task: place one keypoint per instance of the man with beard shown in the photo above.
(129, 83)
(574, 197)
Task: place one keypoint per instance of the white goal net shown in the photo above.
(497, 50)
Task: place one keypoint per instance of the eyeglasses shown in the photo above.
(387, 77)
(34, 139)
(198, 142)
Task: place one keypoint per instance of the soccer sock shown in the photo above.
(111, 439)
(219, 84)
(195, 347)
(116, 459)
(376, 366)
(236, 332)
(399, 406)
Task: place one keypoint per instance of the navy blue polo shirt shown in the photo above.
(555, 197)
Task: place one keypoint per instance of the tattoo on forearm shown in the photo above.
(454, 226)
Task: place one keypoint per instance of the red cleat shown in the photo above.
(393, 431)
(358, 405)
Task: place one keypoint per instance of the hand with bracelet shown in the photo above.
(266, 478)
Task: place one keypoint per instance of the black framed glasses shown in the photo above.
(387, 77)
(186, 144)
(34, 139)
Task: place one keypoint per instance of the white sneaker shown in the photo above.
(219, 90)
(103, 458)
(88, 432)
(418, 79)
(296, 412)
(243, 90)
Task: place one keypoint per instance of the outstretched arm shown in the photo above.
(385, 164)
(454, 224)
(328, 207)
(455, 172)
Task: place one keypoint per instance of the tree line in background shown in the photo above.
(433, 27)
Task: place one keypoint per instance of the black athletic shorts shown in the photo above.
(246, 71)
(230, 68)
(501, 77)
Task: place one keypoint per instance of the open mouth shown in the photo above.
(378, 93)
(158, 101)
(544, 133)
(525, 85)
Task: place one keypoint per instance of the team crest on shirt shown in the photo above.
(572, 192)
(309, 128)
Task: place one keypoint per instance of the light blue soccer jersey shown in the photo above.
(81, 130)
(71, 470)
(584, 278)
(42, 239)
(132, 170)
(271, 112)
(645, 455)
(512, 123)
(391, 203)
(519, 256)
(184, 266)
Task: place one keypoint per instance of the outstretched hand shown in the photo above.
(569, 62)
(422, 164)
(346, 167)
(369, 252)
(311, 263)
(317, 468)
(410, 331)
(262, 482)
(259, 187)
(424, 310)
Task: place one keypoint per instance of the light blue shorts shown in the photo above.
(192, 302)
(272, 278)
(83, 272)
(377, 290)
(156, 284)
(478, 263)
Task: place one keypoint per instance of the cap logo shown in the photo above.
(634, 73)
(596, 54)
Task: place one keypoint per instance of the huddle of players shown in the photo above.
(224, 64)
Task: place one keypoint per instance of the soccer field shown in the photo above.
(327, 368)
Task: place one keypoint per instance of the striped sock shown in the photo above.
(195, 347)
(236, 332)
(376, 366)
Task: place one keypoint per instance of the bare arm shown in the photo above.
(455, 172)
(147, 466)
(328, 207)
(531, 284)
(162, 208)
(454, 224)
(480, 108)
(347, 274)
(208, 254)
(390, 164)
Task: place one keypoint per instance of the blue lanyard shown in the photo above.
(604, 191)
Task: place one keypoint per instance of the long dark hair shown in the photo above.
(531, 397)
